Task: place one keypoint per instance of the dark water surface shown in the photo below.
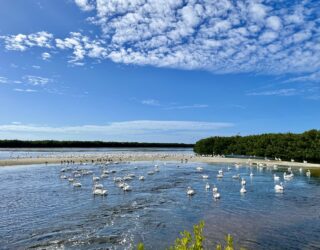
(38, 210)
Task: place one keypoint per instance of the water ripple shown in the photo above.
(38, 210)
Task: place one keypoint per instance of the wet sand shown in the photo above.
(148, 157)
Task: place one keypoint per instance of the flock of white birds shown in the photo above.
(278, 187)
(73, 177)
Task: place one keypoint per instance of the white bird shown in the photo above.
(251, 174)
(308, 173)
(216, 195)
(287, 176)
(117, 179)
(279, 187)
(104, 175)
(237, 176)
(100, 192)
(243, 182)
(63, 177)
(205, 176)
(214, 189)
(276, 178)
(105, 172)
(126, 187)
(141, 178)
(121, 184)
(71, 179)
(219, 175)
(190, 191)
(220, 171)
(77, 184)
(127, 178)
(243, 190)
(98, 186)
(207, 186)
(150, 173)
(199, 169)
(95, 178)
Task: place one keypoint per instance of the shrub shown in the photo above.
(194, 241)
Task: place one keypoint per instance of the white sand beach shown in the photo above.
(125, 157)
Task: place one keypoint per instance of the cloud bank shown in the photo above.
(260, 36)
(141, 130)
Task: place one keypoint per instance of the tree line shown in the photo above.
(286, 146)
(85, 144)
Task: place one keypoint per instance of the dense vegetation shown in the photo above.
(84, 144)
(195, 240)
(305, 146)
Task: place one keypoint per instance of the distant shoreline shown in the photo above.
(149, 157)
(14, 144)
(75, 149)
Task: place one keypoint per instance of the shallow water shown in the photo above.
(38, 210)
(78, 152)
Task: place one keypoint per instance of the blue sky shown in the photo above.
(157, 71)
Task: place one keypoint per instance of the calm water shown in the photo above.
(38, 210)
(53, 152)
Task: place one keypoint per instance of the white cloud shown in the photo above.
(274, 23)
(191, 14)
(268, 36)
(36, 67)
(25, 90)
(257, 11)
(22, 42)
(278, 92)
(260, 36)
(45, 56)
(171, 106)
(82, 46)
(37, 80)
(220, 36)
(314, 77)
(142, 130)
(85, 5)
(151, 102)
(194, 106)
(3, 79)
(309, 90)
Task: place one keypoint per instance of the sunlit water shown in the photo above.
(38, 210)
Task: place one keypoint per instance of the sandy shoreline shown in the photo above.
(149, 157)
